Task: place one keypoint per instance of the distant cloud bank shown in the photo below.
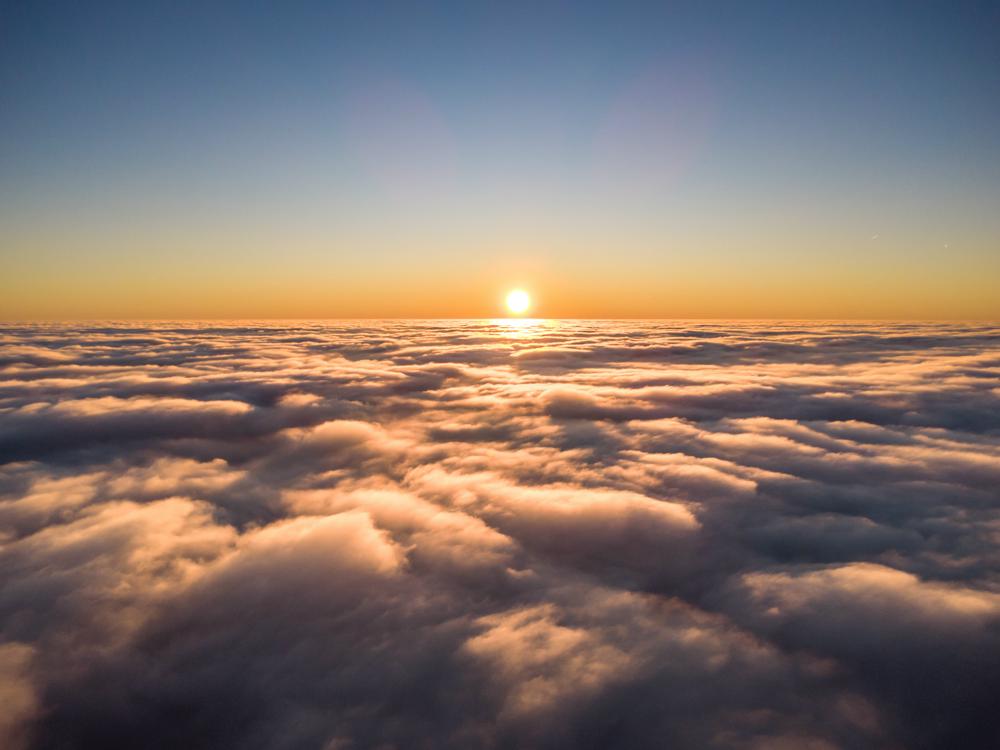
(490, 535)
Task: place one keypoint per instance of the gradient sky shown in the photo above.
(420, 159)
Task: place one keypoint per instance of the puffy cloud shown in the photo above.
(17, 694)
(475, 534)
(543, 664)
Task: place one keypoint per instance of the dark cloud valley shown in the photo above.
(500, 535)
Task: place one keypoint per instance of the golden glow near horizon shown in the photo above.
(518, 302)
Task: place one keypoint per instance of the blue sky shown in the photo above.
(378, 142)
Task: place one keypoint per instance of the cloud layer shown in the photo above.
(500, 535)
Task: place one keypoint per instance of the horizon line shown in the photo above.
(497, 318)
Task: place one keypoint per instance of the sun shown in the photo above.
(518, 302)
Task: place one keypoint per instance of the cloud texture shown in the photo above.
(493, 535)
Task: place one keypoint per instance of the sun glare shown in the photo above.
(518, 302)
